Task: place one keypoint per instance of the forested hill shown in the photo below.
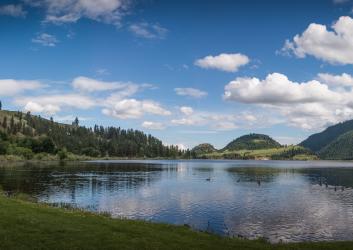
(26, 134)
(252, 142)
(339, 149)
(203, 148)
(318, 141)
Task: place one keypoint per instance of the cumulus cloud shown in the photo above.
(190, 92)
(307, 105)
(67, 11)
(41, 108)
(45, 39)
(51, 104)
(334, 46)
(149, 31)
(224, 62)
(153, 125)
(14, 10)
(277, 88)
(343, 80)
(133, 109)
(10, 87)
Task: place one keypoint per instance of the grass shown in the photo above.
(259, 153)
(25, 225)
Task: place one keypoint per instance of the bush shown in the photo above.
(41, 145)
(91, 152)
(62, 154)
(20, 151)
(4, 145)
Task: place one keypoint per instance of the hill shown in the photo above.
(255, 147)
(25, 135)
(203, 148)
(339, 149)
(317, 142)
(252, 142)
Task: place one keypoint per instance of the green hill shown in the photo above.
(317, 142)
(203, 148)
(339, 149)
(252, 142)
(25, 135)
(254, 147)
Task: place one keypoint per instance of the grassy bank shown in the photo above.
(25, 225)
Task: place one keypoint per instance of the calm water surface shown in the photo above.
(279, 200)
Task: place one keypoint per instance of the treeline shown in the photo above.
(26, 134)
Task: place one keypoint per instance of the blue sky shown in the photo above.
(185, 71)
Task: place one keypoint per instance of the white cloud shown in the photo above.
(186, 110)
(58, 20)
(224, 62)
(86, 84)
(277, 88)
(51, 104)
(117, 104)
(343, 80)
(153, 125)
(221, 122)
(45, 39)
(149, 31)
(189, 121)
(133, 109)
(38, 108)
(66, 11)
(10, 87)
(307, 105)
(14, 10)
(191, 92)
(334, 46)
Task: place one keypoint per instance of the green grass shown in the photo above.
(267, 153)
(25, 225)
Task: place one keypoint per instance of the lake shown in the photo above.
(286, 201)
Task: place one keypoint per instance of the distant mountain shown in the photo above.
(252, 142)
(204, 148)
(317, 142)
(339, 149)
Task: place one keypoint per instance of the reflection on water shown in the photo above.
(289, 201)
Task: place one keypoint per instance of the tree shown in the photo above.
(4, 122)
(76, 122)
(0, 105)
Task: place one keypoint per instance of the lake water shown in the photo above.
(279, 200)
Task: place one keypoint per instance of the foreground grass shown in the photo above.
(25, 225)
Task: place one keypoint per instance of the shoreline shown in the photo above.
(60, 228)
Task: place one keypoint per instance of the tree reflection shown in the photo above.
(45, 180)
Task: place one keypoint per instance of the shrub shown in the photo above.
(20, 151)
(62, 154)
(4, 145)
